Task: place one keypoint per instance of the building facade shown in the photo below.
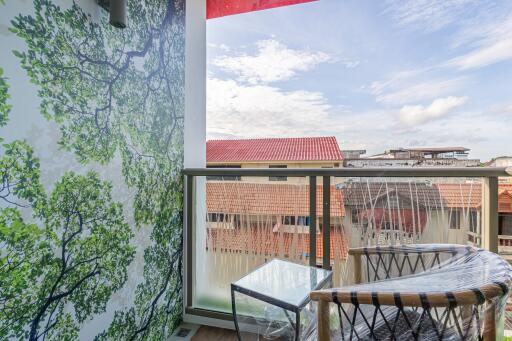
(413, 157)
(304, 152)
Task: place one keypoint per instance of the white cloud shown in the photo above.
(404, 87)
(350, 64)
(272, 62)
(486, 55)
(417, 114)
(492, 44)
(238, 110)
(503, 111)
(433, 15)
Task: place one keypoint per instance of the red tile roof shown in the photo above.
(267, 199)
(434, 196)
(265, 242)
(505, 199)
(275, 149)
(461, 195)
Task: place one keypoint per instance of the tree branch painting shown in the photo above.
(114, 94)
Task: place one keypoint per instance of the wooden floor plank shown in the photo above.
(206, 333)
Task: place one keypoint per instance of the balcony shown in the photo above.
(235, 226)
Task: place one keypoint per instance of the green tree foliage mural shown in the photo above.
(56, 273)
(4, 96)
(117, 92)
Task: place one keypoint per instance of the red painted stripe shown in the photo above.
(222, 8)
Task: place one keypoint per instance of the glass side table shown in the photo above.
(273, 300)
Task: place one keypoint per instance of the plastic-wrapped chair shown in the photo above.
(419, 292)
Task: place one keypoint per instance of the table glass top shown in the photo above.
(284, 281)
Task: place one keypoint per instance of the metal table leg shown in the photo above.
(235, 318)
(297, 325)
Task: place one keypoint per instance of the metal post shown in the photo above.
(326, 223)
(490, 214)
(189, 223)
(312, 220)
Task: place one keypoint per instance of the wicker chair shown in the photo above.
(418, 292)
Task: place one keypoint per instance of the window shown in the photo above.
(388, 225)
(293, 220)
(505, 225)
(237, 221)
(473, 221)
(217, 217)
(224, 177)
(355, 216)
(278, 178)
(455, 219)
(303, 221)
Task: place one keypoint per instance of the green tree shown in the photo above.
(122, 91)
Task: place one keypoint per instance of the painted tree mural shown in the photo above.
(59, 271)
(114, 93)
(4, 96)
(78, 258)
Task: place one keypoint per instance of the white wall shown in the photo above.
(195, 136)
(195, 84)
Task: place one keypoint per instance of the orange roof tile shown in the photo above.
(265, 242)
(461, 195)
(266, 199)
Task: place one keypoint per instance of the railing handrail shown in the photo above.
(455, 172)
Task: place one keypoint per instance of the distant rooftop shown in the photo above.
(274, 149)
(438, 149)
(424, 152)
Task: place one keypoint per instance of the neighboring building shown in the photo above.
(416, 157)
(303, 152)
(270, 219)
(353, 153)
(505, 219)
(269, 216)
(412, 212)
(502, 161)
(459, 153)
(283, 207)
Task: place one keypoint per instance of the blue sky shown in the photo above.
(375, 74)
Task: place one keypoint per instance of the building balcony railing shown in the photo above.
(233, 226)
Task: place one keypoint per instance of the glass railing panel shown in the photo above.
(240, 225)
(401, 211)
(241, 222)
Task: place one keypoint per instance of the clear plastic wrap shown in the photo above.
(272, 302)
(259, 320)
(420, 292)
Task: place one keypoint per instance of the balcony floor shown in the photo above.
(206, 333)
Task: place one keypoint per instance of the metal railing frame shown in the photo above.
(489, 223)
